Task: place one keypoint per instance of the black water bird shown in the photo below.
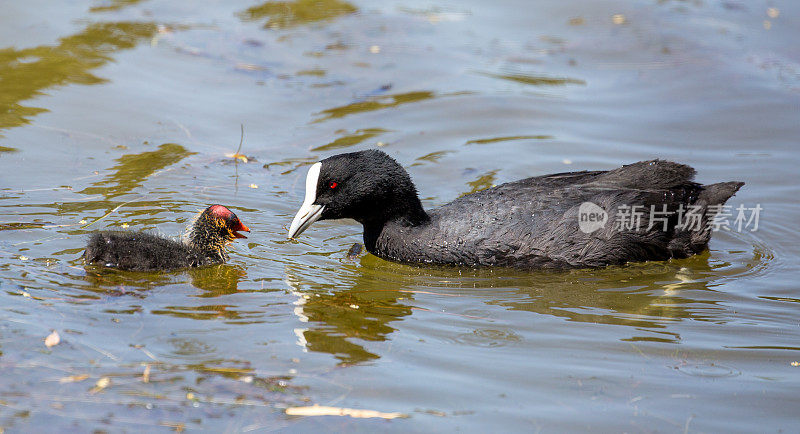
(209, 236)
(531, 223)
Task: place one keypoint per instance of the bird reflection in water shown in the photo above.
(338, 319)
(217, 280)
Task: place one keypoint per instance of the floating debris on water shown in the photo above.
(52, 339)
(318, 410)
(577, 21)
(100, 385)
(773, 12)
(242, 66)
(146, 374)
(354, 251)
(240, 157)
(73, 378)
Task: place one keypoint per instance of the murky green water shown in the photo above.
(121, 112)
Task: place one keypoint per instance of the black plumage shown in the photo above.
(531, 223)
(210, 233)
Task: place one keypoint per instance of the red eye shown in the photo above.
(333, 184)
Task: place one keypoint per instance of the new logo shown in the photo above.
(591, 217)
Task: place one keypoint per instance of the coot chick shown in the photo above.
(531, 223)
(209, 236)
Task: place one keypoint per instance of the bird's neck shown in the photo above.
(209, 243)
(412, 217)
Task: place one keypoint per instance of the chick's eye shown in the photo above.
(333, 184)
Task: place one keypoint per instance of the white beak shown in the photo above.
(309, 212)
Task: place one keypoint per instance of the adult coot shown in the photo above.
(650, 210)
(210, 234)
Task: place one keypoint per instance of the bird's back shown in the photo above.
(534, 222)
(139, 251)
